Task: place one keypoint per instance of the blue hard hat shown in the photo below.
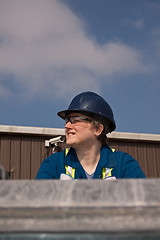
(91, 104)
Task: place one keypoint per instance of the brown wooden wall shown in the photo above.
(22, 154)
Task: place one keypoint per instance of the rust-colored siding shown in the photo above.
(21, 154)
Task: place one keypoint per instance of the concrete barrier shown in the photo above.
(85, 206)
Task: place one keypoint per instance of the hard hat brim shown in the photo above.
(64, 113)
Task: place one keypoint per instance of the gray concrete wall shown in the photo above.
(88, 206)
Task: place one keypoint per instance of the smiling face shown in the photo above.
(81, 131)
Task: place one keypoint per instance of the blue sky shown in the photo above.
(51, 50)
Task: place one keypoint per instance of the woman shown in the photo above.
(87, 121)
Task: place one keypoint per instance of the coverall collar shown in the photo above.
(107, 158)
(71, 159)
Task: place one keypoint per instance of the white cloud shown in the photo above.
(44, 45)
(4, 92)
(156, 39)
(137, 24)
(154, 6)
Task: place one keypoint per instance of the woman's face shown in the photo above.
(81, 131)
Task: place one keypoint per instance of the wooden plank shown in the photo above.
(142, 158)
(5, 153)
(15, 157)
(36, 155)
(25, 170)
(158, 159)
(151, 160)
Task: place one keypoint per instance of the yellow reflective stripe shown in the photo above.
(66, 167)
(73, 172)
(66, 151)
(103, 173)
(105, 169)
(110, 174)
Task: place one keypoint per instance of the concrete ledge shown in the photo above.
(119, 206)
(134, 136)
(31, 130)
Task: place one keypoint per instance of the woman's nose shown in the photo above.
(68, 125)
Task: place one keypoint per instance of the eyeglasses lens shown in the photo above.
(76, 119)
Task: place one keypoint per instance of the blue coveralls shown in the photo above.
(122, 165)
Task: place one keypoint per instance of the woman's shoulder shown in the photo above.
(56, 156)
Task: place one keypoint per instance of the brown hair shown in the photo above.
(103, 136)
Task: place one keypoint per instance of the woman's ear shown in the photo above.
(99, 130)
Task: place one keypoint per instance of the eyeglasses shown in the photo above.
(77, 119)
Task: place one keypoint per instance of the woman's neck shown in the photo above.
(89, 157)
